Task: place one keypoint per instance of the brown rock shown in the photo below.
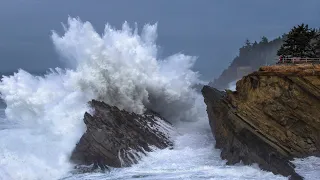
(276, 117)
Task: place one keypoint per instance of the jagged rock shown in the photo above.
(118, 138)
(273, 117)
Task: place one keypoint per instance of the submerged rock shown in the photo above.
(117, 138)
(273, 117)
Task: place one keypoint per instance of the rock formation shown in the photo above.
(118, 138)
(273, 117)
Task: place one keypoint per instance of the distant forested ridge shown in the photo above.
(251, 57)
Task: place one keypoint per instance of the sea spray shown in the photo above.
(233, 85)
(122, 69)
(119, 67)
(47, 112)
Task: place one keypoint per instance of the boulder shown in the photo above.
(117, 138)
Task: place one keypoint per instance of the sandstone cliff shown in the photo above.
(272, 117)
(118, 138)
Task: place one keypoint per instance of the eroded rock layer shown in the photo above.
(273, 117)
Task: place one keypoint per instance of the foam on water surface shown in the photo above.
(193, 157)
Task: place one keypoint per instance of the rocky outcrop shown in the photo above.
(273, 117)
(118, 138)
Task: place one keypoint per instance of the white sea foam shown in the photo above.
(308, 167)
(122, 69)
(119, 67)
(193, 158)
(233, 86)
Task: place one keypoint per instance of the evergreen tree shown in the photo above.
(254, 44)
(247, 43)
(298, 42)
(243, 51)
(317, 44)
(264, 40)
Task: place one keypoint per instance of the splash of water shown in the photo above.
(44, 113)
(308, 167)
(233, 85)
(193, 158)
(120, 67)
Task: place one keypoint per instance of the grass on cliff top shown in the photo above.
(292, 68)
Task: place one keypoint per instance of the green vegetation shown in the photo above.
(301, 41)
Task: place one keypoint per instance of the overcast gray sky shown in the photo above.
(210, 29)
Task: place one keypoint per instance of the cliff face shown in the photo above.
(118, 138)
(272, 117)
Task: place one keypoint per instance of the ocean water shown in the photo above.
(43, 116)
(193, 158)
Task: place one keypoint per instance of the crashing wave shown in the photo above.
(119, 67)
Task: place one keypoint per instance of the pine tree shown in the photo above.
(264, 40)
(317, 44)
(247, 44)
(243, 51)
(298, 42)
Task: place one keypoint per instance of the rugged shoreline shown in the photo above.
(272, 117)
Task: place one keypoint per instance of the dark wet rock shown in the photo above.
(117, 138)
